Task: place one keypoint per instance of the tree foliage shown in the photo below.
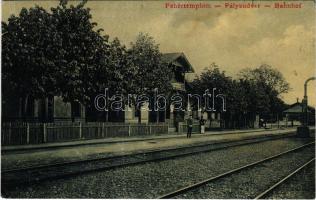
(29, 51)
(212, 78)
(56, 53)
(121, 70)
(271, 83)
(268, 76)
(151, 72)
(62, 53)
(83, 55)
(254, 92)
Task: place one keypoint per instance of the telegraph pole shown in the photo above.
(303, 131)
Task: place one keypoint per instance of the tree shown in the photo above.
(91, 62)
(244, 97)
(151, 72)
(30, 47)
(211, 78)
(83, 56)
(116, 75)
(250, 101)
(121, 69)
(271, 83)
(58, 53)
(267, 75)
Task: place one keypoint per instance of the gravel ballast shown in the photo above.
(249, 183)
(153, 179)
(299, 186)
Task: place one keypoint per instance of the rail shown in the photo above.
(208, 180)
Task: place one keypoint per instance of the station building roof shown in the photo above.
(296, 108)
(178, 60)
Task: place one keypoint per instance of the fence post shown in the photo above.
(9, 137)
(27, 133)
(103, 130)
(149, 129)
(129, 130)
(44, 133)
(80, 130)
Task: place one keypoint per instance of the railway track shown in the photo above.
(191, 187)
(35, 174)
(274, 186)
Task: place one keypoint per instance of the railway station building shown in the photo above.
(54, 109)
(294, 114)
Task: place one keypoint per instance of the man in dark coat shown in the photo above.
(190, 126)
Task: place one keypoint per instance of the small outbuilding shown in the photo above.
(295, 111)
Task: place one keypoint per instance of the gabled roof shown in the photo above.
(297, 108)
(169, 57)
(177, 59)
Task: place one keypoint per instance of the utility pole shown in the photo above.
(303, 131)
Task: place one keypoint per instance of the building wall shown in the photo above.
(61, 109)
(130, 114)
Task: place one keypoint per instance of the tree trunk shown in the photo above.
(107, 116)
(25, 106)
(20, 109)
(157, 117)
(139, 114)
(245, 122)
(72, 112)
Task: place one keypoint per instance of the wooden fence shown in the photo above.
(36, 133)
(183, 128)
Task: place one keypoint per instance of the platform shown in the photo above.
(118, 140)
(114, 147)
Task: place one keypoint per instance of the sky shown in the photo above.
(232, 38)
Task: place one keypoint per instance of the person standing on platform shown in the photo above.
(202, 124)
(190, 126)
